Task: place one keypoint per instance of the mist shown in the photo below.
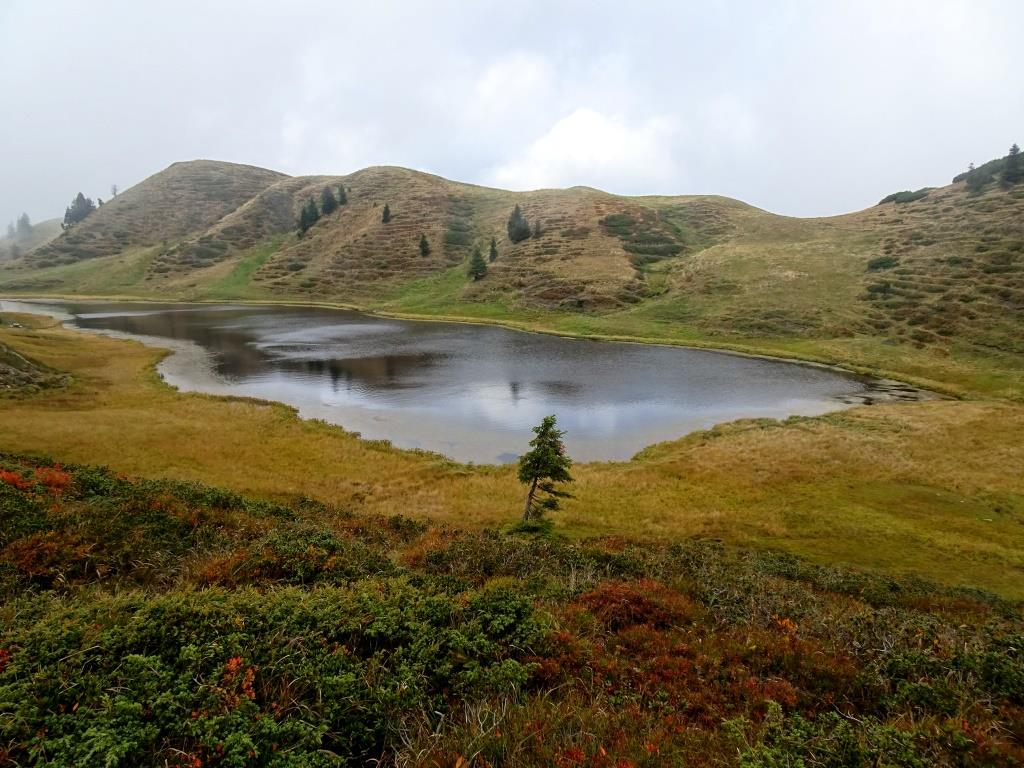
(803, 109)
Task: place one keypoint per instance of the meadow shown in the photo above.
(931, 488)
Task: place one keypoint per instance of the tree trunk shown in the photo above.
(529, 500)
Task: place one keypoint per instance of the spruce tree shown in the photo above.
(1013, 171)
(424, 246)
(537, 230)
(518, 226)
(386, 216)
(24, 226)
(477, 265)
(542, 468)
(494, 249)
(328, 202)
(80, 207)
(342, 195)
(308, 216)
(11, 231)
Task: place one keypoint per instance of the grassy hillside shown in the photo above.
(156, 623)
(931, 289)
(184, 198)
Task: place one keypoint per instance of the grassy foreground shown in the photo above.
(159, 623)
(933, 488)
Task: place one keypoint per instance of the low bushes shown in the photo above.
(157, 623)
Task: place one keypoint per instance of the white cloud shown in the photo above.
(517, 79)
(591, 148)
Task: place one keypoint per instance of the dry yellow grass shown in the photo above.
(933, 488)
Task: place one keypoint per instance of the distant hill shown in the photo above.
(40, 234)
(184, 198)
(938, 268)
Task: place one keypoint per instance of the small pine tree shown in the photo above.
(538, 231)
(342, 195)
(11, 231)
(494, 249)
(542, 468)
(518, 226)
(80, 207)
(308, 216)
(328, 202)
(477, 265)
(424, 246)
(1013, 171)
(385, 217)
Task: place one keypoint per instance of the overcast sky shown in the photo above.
(807, 108)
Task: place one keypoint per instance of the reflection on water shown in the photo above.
(471, 392)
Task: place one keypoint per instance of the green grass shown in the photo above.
(238, 282)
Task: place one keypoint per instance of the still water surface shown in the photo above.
(471, 392)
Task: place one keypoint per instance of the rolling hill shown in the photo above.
(938, 275)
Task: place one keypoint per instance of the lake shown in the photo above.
(470, 392)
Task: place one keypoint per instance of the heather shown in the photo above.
(161, 623)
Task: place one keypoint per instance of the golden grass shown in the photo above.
(933, 488)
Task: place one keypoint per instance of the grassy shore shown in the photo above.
(931, 488)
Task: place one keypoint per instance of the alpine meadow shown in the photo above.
(385, 468)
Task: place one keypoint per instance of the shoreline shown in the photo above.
(886, 386)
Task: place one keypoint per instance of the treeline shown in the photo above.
(1008, 170)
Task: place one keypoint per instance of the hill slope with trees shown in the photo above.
(937, 269)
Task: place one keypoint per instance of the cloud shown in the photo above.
(595, 149)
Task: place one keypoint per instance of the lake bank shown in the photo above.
(470, 392)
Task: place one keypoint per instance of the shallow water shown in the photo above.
(471, 392)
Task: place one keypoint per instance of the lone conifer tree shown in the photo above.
(424, 246)
(386, 216)
(328, 202)
(542, 468)
(477, 265)
(494, 249)
(537, 229)
(518, 226)
(342, 195)
(1013, 171)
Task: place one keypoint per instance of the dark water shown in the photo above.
(470, 392)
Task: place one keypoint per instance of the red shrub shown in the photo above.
(14, 479)
(54, 478)
(627, 604)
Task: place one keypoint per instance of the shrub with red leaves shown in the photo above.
(618, 604)
(54, 478)
(14, 479)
